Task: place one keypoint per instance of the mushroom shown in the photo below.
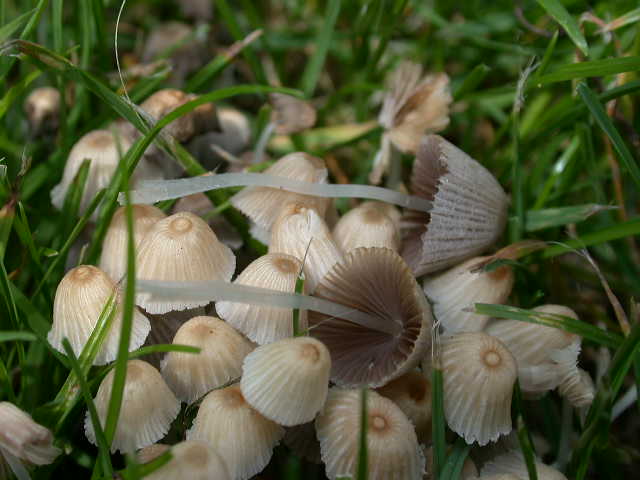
(367, 225)
(513, 463)
(193, 460)
(42, 107)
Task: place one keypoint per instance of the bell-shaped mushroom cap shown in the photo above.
(148, 408)
(478, 377)
(392, 446)
(301, 232)
(469, 208)
(223, 349)
(378, 282)
(104, 149)
(366, 226)
(455, 292)
(182, 247)
(23, 438)
(80, 298)
(287, 381)
(42, 106)
(545, 355)
(264, 324)
(263, 205)
(303, 442)
(290, 114)
(163, 102)
(513, 463)
(412, 393)
(113, 260)
(193, 460)
(578, 389)
(243, 437)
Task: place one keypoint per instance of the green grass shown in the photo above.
(567, 154)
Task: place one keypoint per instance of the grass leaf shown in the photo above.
(438, 422)
(555, 217)
(471, 81)
(455, 461)
(14, 25)
(17, 336)
(560, 15)
(594, 68)
(363, 461)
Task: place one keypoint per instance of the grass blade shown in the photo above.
(455, 461)
(560, 15)
(556, 217)
(594, 68)
(363, 462)
(16, 90)
(471, 81)
(314, 65)
(17, 336)
(438, 422)
(597, 110)
(14, 25)
(546, 58)
(595, 334)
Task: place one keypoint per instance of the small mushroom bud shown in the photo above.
(287, 381)
(392, 446)
(148, 408)
(23, 438)
(469, 208)
(181, 247)
(290, 114)
(367, 226)
(164, 102)
(223, 349)
(113, 260)
(261, 323)
(478, 377)
(80, 298)
(43, 109)
(243, 437)
(193, 460)
(513, 463)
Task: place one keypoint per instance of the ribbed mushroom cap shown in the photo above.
(513, 463)
(469, 208)
(163, 102)
(303, 442)
(287, 381)
(80, 298)
(454, 292)
(263, 205)
(301, 232)
(578, 389)
(151, 452)
(366, 226)
(392, 446)
(104, 149)
(193, 460)
(545, 355)
(290, 114)
(478, 377)
(23, 438)
(182, 247)
(148, 408)
(412, 393)
(113, 260)
(243, 437)
(264, 324)
(42, 106)
(378, 282)
(223, 349)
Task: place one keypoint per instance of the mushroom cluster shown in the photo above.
(331, 319)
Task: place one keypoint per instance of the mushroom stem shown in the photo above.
(156, 190)
(216, 290)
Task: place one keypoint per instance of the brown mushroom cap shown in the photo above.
(378, 282)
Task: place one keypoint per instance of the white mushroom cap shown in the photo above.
(23, 438)
(392, 446)
(367, 226)
(148, 408)
(378, 282)
(163, 102)
(223, 349)
(42, 106)
(151, 452)
(104, 150)
(301, 232)
(456, 291)
(287, 381)
(469, 208)
(264, 324)
(243, 437)
(513, 463)
(578, 389)
(263, 205)
(113, 260)
(193, 460)
(290, 114)
(478, 378)
(412, 393)
(80, 298)
(181, 247)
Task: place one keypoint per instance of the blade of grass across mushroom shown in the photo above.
(103, 447)
(363, 461)
(524, 437)
(585, 330)
(455, 461)
(216, 290)
(438, 421)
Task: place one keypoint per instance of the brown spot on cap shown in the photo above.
(233, 397)
(310, 352)
(285, 265)
(492, 359)
(372, 216)
(378, 423)
(180, 225)
(84, 273)
(418, 390)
